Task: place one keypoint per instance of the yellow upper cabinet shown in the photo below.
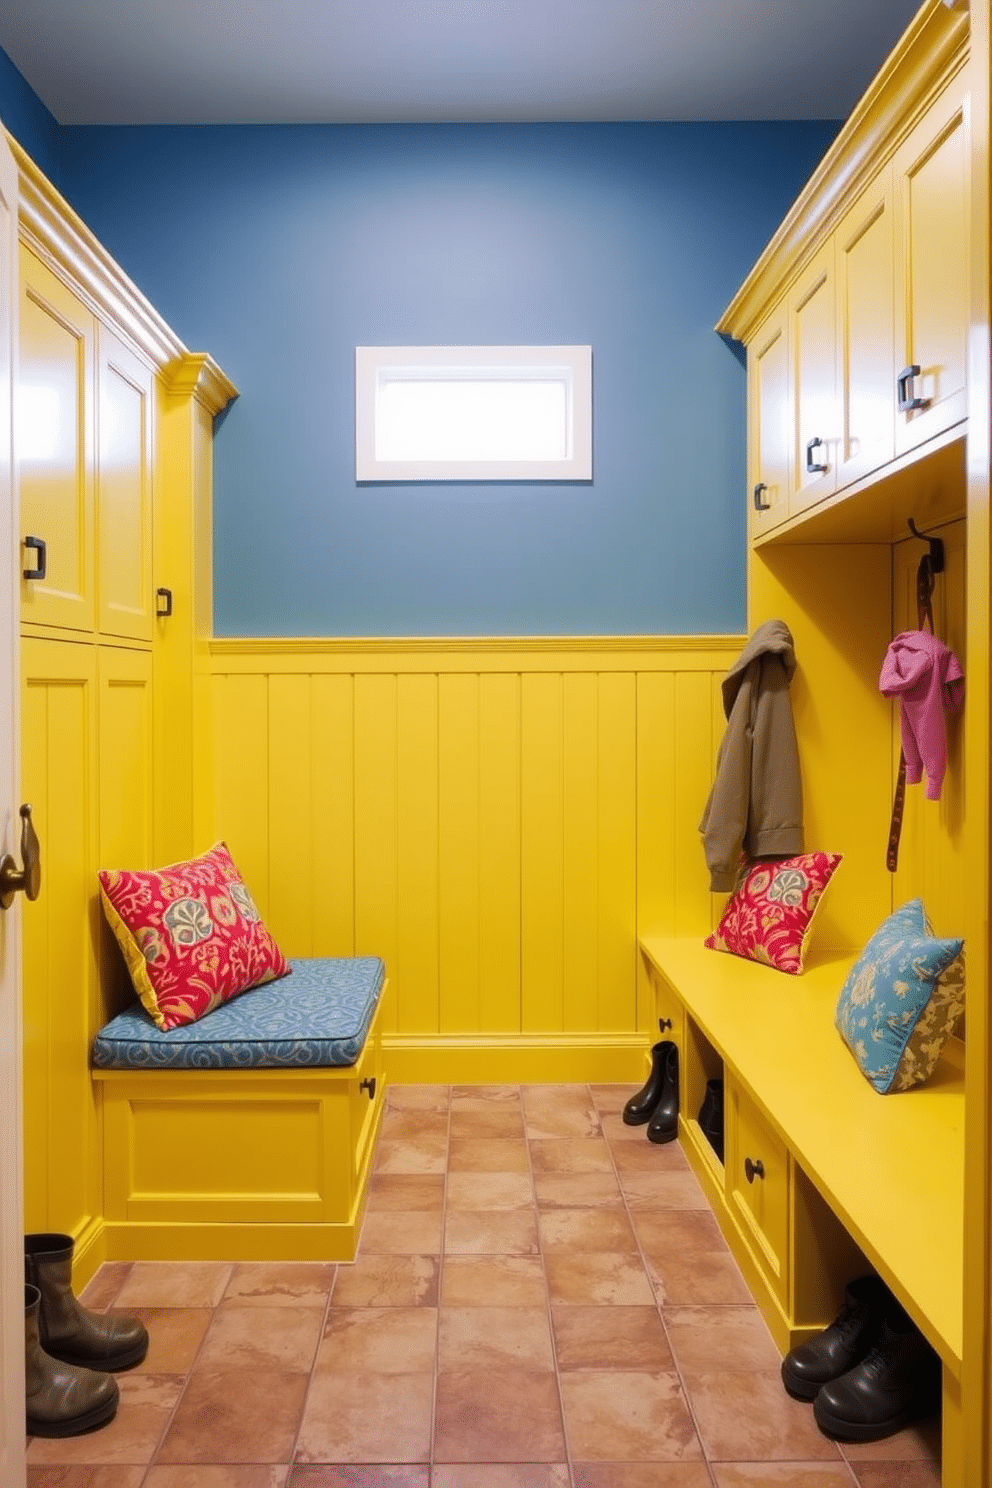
(856, 316)
(865, 261)
(55, 447)
(814, 414)
(768, 423)
(84, 435)
(932, 282)
(124, 492)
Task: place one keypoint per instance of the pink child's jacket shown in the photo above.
(927, 678)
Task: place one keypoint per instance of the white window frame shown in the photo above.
(572, 365)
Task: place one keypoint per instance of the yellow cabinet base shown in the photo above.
(242, 1165)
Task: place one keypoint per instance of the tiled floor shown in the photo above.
(542, 1299)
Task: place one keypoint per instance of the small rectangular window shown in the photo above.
(433, 413)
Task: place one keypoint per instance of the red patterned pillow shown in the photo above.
(768, 916)
(191, 935)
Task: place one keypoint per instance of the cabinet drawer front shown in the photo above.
(758, 1181)
(668, 1013)
(366, 1095)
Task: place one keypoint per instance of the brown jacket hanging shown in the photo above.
(756, 803)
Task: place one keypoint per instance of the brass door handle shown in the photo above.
(28, 878)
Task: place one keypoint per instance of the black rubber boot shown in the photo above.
(711, 1116)
(68, 1330)
(61, 1399)
(845, 1343)
(641, 1107)
(897, 1383)
(664, 1124)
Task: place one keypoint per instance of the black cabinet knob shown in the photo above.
(754, 1169)
(368, 1085)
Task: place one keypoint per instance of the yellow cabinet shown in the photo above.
(815, 420)
(862, 358)
(758, 1178)
(84, 437)
(124, 492)
(58, 771)
(932, 270)
(866, 369)
(768, 424)
(55, 447)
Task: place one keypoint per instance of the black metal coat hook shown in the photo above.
(936, 548)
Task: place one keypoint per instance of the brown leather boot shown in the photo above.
(68, 1330)
(61, 1399)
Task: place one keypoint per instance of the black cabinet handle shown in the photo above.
(760, 505)
(812, 467)
(163, 604)
(753, 1170)
(41, 564)
(368, 1085)
(664, 1023)
(907, 400)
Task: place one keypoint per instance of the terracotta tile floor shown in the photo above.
(542, 1299)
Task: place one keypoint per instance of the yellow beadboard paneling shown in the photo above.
(694, 760)
(375, 817)
(499, 865)
(580, 856)
(291, 740)
(332, 797)
(616, 1005)
(125, 797)
(497, 835)
(416, 1005)
(459, 851)
(241, 781)
(541, 853)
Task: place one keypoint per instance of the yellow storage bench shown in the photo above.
(247, 1135)
(821, 1172)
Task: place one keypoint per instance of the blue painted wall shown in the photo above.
(28, 120)
(280, 249)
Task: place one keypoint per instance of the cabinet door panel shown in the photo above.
(124, 493)
(768, 425)
(814, 384)
(55, 446)
(931, 171)
(758, 1180)
(58, 772)
(866, 334)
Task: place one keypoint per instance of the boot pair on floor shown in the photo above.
(870, 1373)
(69, 1351)
(657, 1103)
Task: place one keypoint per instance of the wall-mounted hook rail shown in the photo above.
(936, 547)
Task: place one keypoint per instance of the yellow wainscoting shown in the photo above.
(496, 819)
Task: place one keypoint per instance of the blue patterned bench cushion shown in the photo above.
(318, 1016)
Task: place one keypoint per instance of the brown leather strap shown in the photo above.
(895, 826)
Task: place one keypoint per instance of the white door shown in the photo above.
(11, 1222)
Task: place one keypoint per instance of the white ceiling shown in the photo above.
(285, 61)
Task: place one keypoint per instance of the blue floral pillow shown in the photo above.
(901, 1000)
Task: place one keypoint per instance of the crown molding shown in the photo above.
(59, 237)
(196, 375)
(934, 47)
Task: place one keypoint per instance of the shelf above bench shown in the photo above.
(890, 1167)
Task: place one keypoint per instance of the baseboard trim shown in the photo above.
(135, 1241)
(89, 1251)
(515, 1059)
